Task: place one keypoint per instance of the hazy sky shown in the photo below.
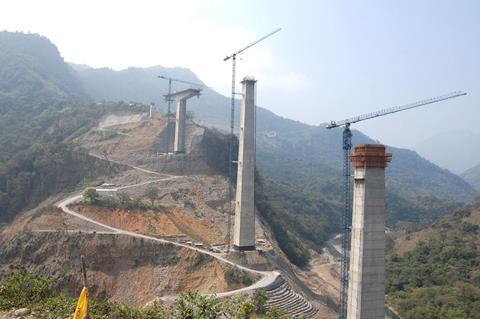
(333, 59)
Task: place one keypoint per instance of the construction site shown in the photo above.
(178, 211)
(188, 243)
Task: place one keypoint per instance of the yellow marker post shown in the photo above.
(81, 311)
(82, 305)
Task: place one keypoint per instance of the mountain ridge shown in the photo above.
(452, 149)
(472, 176)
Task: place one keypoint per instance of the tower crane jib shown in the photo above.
(395, 109)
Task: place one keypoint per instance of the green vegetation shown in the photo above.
(90, 195)
(440, 278)
(24, 290)
(259, 299)
(235, 276)
(43, 170)
(199, 261)
(152, 193)
(298, 220)
(122, 200)
(215, 148)
(43, 107)
(407, 211)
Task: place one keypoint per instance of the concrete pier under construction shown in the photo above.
(366, 286)
(181, 116)
(244, 227)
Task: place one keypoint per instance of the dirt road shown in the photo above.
(267, 277)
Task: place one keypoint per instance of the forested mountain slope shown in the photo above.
(434, 272)
(36, 87)
(41, 104)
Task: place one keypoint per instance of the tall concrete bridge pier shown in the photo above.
(181, 116)
(244, 225)
(366, 286)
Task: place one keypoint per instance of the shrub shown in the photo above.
(259, 299)
(21, 289)
(233, 276)
(90, 195)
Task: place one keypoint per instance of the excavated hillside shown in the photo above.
(139, 141)
(122, 268)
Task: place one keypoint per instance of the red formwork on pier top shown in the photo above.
(370, 155)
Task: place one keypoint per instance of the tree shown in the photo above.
(152, 194)
(191, 304)
(90, 195)
(124, 198)
(259, 299)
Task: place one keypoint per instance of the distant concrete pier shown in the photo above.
(244, 227)
(366, 286)
(181, 116)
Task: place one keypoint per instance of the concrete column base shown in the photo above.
(244, 248)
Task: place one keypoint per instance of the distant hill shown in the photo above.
(472, 176)
(142, 85)
(316, 153)
(36, 86)
(454, 150)
(31, 67)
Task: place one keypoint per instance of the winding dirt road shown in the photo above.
(267, 277)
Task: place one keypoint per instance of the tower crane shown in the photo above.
(347, 146)
(169, 101)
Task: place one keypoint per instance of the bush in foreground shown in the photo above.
(24, 290)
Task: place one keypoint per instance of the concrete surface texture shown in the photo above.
(179, 144)
(366, 289)
(244, 225)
